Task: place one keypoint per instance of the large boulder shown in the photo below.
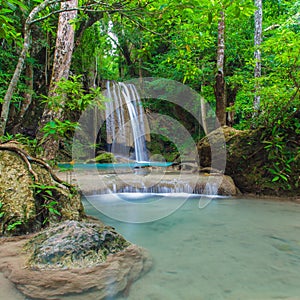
(73, 260)
(249, 163)
(74, 244)
(28, 203)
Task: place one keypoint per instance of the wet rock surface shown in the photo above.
(180, 182)
(75, 273)
(74, 244)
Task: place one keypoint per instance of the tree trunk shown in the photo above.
(14, 81)
(257, 53)
(219, 88)
(27, 98)
(61, 67)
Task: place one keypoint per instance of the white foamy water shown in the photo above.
(232, 249)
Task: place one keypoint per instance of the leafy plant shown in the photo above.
(1, 212)
(70, 94)
(280, 156)
(32, 144)
(13, 226)
(51, 207)
(58, 128)
(47, 197)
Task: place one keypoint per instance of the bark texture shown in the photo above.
(257, 54)
(61, 67)
(219, 90)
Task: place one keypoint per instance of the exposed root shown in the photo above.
(49, 169)
(12, 146)
(24, 157)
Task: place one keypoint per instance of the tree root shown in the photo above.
(12, 146)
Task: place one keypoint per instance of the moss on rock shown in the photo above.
(23, 210)
(249, 163)
(73, 244)
(105, 157)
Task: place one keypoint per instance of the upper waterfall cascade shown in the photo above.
(126, 122)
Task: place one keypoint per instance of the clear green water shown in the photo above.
(231, 249)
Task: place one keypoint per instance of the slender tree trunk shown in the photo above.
(219, 89)
(61, 67)
(14, 81)
(257, 54)
(204, 115)
(27, 98)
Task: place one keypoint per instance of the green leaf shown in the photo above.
(11, 227)
(283, 177)
(209, 18)
(276, 178)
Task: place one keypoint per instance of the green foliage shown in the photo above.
(9, 19)
(280, 159)
(1, 212)
(281, 142)
(14, 225)
(58, 129)
(31, 144)
(8, 61)
(70, 94)
(46, 194)
(97, 59)
(280, 99)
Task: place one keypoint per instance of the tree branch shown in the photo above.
(141, 26)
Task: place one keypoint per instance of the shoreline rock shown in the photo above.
(249, 163)
(97, 280)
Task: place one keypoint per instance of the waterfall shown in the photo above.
(125, 120)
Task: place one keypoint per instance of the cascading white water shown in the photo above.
(125, 116)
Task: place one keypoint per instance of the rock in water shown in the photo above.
(74, 244)
(73, 260)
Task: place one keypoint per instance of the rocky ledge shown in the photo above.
(174, 182)
(72, 259)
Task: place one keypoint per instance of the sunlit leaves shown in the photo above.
(9, 20)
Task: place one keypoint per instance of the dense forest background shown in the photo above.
(241, 56)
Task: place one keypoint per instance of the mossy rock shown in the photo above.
(105, 157)
(74, 244)
(22, 210)
(102, 158)
(248, 162)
